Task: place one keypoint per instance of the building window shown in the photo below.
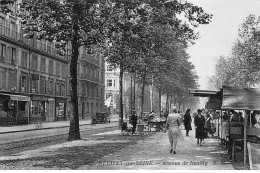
(13, 29)
(42, 85)
(2, 79)
(110, 68)
(2, 21)
(51, 66)
(24, 58)
(34, 62)
(43, 64)
(97, 92)
(109, 83)
(102, 77)
(64, 70)
(24, 83)
(109, 95)
(63, 89)
(13, 56)
(51, 86)
(57, 88)
(12, 82)
(57, 68)
(34, 86)
(3, 52)
(114, 83)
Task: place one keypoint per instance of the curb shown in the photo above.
(38, 137)
(26, 130)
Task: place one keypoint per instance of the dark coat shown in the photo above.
(200, 123)
(187, 121)
(134, 119)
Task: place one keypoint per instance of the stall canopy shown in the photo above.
(241, 98)
(203, 93)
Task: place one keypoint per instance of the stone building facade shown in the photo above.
(34, 78)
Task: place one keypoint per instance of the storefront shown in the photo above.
(38, 108)
(14, 109)
(60, 109)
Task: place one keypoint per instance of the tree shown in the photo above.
(79, 23)
(242, 67)
(5, 6)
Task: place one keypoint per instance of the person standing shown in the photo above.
(187, 121)
(134, 121)
(199, 123)
(208, 125)
(174, 133)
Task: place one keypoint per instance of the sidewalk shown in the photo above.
(153, 153)
(48, 125)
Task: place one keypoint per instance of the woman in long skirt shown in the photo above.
(174, 133)
(199, 123)
(187, 122)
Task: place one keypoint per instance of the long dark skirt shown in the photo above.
(187, 126)
(200, 133)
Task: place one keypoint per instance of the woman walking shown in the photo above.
(199, 122)
(174, 133)
(187, 121)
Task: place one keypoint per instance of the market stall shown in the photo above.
(236, 104)
(245, 100)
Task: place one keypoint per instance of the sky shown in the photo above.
(217, 38)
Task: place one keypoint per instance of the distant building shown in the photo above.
(91, 83)
(112, 90)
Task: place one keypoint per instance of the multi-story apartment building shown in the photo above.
(34, 78)
(91, 83)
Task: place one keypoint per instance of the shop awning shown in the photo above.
(241, 98)
(17, 97)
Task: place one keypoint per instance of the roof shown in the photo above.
(241, 98)
(203, 93)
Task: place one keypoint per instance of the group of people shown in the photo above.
(202, 125)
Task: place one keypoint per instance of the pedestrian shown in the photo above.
(208, 125)
(187, 121)
(174, 133)
(134, 121)
(166, 113)
(199, 123)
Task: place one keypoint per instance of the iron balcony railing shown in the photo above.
(7, 32)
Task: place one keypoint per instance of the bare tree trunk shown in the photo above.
(134, 93)
(121, 75)
(74, 133)
(143, 88)
(160, 98)
(131, 95)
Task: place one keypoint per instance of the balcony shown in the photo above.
(34, 43)
(85, 77)
(90, 58)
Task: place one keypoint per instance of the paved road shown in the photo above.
(9, 137)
